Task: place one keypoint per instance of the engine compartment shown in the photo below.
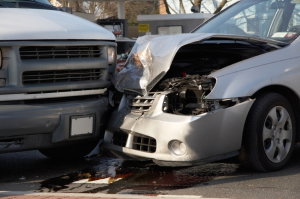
(186, 94)
(187, 82)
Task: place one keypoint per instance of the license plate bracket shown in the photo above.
(82, 125)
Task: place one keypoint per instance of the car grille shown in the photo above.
(53, 76)
(144, 143)
(142, 103)
(119, 139)
(54, 52)
(141, 143)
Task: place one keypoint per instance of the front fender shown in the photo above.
(247, 82)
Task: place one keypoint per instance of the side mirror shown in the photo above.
(195, 9)
(124, 56)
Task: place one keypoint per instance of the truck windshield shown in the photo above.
(266, 19)
(34, 4)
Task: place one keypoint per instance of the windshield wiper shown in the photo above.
(276, 43)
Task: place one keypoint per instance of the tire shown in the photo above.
(269, 134)
(69, 152)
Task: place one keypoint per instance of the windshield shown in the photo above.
(39, 1)
(34, 4)
(266, 19)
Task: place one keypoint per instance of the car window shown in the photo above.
(254, 21)
(33, 4)
(267, 19)
(39, 1)
(295, 18)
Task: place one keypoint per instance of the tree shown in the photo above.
(134, 8)
(167, 7)
(182, 7)
(199, 3)
(222, 4)
(103, 9)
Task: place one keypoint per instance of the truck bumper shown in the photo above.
(27, 127)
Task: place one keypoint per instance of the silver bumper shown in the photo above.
(208, 137)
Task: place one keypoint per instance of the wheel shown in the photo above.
(269, 134)
(69, 152)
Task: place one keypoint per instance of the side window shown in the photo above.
(255, 20)
(295, 20)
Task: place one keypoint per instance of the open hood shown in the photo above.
(40, 24)
(150, 59)
(152, 56)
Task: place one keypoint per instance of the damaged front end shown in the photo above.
(164, 112)
(187, 96)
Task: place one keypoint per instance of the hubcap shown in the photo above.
(277, 134)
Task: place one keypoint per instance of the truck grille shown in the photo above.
(144, 143)
(54, 52)
(61, 100)
(53, 76)
(142, 103)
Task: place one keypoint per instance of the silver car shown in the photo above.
(231, 87)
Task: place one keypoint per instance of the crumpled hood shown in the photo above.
(150, 59)
(38, 24)
(152, 56)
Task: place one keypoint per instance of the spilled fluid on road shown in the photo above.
(136, 178)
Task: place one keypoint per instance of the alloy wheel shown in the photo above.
(277, 134)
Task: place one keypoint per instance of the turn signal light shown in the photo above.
(111, 55)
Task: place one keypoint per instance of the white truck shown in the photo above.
(54, 71)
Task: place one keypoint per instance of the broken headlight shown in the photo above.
(213, 105)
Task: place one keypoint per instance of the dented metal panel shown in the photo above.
(149, 61)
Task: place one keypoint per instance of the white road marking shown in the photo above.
(101, 181)
(121, 196)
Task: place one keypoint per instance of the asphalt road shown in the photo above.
(31, 171)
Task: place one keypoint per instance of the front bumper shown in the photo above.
(40, 126)
(208, 137)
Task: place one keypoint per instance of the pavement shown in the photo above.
(32, 175)
(32, 195)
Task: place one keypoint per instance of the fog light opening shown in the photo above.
(177, 148)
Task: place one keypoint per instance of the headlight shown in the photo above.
(111, 55)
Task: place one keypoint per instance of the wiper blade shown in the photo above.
(253, 39)
(269, 41)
